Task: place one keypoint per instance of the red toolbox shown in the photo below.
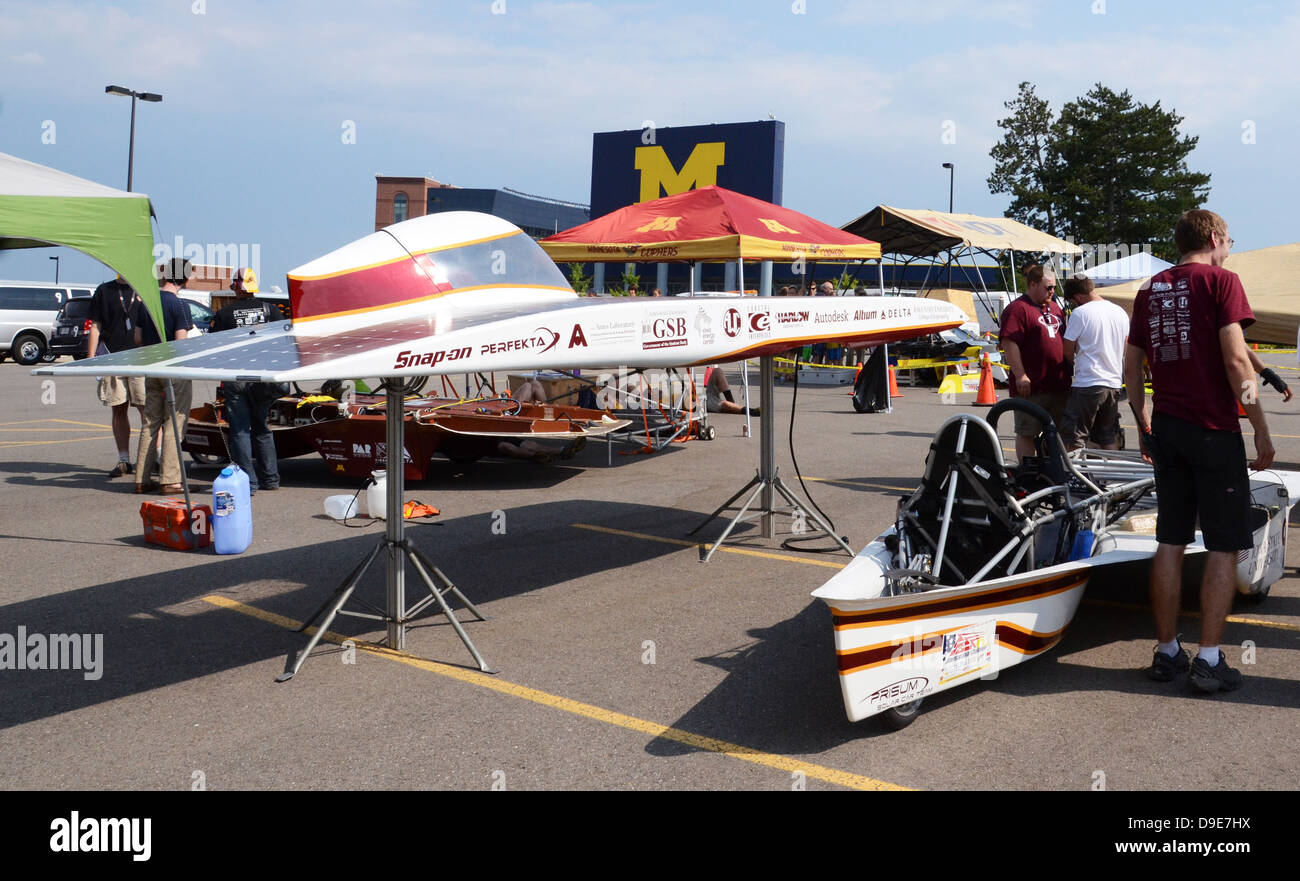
(166, 522)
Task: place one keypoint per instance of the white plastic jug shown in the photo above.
(377, 494)
(341, 507)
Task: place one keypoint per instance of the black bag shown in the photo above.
(871, 391)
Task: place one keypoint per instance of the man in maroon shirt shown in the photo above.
(1030, 338)
(1188, 325)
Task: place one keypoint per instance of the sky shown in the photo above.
(276, 117)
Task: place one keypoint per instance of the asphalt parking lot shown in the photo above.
(624, 662)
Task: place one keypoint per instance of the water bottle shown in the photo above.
(1082, 547)
(232, 515)
(377, 494)
(341, 507)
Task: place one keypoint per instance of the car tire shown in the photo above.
(28, 349)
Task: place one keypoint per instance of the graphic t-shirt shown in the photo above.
(246, 312)
(1176, 321)
(1037, 331)
(1098, 329)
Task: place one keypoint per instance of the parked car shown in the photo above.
(72, 326)
(27, 314)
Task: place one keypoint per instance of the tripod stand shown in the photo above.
(398, 551)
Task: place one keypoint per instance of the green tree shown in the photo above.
(1107, 170)
(631, 279)
(1123, 170)
(1022, 161)
(580, 281)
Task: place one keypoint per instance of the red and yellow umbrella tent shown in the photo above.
(710, 224)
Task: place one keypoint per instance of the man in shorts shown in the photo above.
(115, 312)
(1031, 341)
(1094, 341)
(1188, 325)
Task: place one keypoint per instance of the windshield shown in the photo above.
(514, 259)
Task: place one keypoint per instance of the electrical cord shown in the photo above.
(790, 543)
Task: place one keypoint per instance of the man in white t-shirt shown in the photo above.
(1094, 340)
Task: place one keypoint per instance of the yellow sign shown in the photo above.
(776, 225)
(699, 170)
(665, 223)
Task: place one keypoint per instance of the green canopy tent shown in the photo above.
(41, 207)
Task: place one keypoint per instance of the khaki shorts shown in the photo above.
(117, 390)
(1052, 402)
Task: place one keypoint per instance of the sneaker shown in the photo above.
(1220, 677)
(1165, 668)
(121, 470)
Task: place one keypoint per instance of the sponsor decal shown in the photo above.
(759, 322)
(704, 326)
(840, 315)
(664, 330)
(1161, 286)
(866, 315)
(798, 316)
(611, 332)
(577, 338)
(904, 691)
(659, 252)
(408, 358)
(732, 322)
(967, 651)
(543, 339)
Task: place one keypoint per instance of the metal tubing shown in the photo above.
(394, 422)
(936, 566)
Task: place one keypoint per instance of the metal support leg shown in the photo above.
(398, 550)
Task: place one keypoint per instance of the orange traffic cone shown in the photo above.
(986, 396)
(1241, 411)
(893, 384)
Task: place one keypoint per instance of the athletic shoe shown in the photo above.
(1220, 677)
(121, 470)
(1165, 668)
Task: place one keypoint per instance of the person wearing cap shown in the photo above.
(172, 275)
(247, 404)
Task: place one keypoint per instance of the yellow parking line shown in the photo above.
(695, 544)
(41, 443)
(590, 711)
(1231, 619)
(3, 429)
(64, 421)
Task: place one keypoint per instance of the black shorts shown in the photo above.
(1200, 473)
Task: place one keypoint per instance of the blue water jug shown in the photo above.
(1082, 548)
(232, 514)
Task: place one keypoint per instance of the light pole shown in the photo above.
(143, 96)
(951, 173)
(56, 269)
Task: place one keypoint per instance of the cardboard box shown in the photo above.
(559, 389)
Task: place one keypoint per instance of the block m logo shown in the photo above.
(657, 172)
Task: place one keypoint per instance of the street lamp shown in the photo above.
(56, 269)
(143, 96)
(951, 173)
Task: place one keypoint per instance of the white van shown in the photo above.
(27, 313)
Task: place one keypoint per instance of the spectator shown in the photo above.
(159, 418)
(252, 445)
(1188, 326)
(1031, 340)
(1094, 341)
(115, 312)
(718, 396)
